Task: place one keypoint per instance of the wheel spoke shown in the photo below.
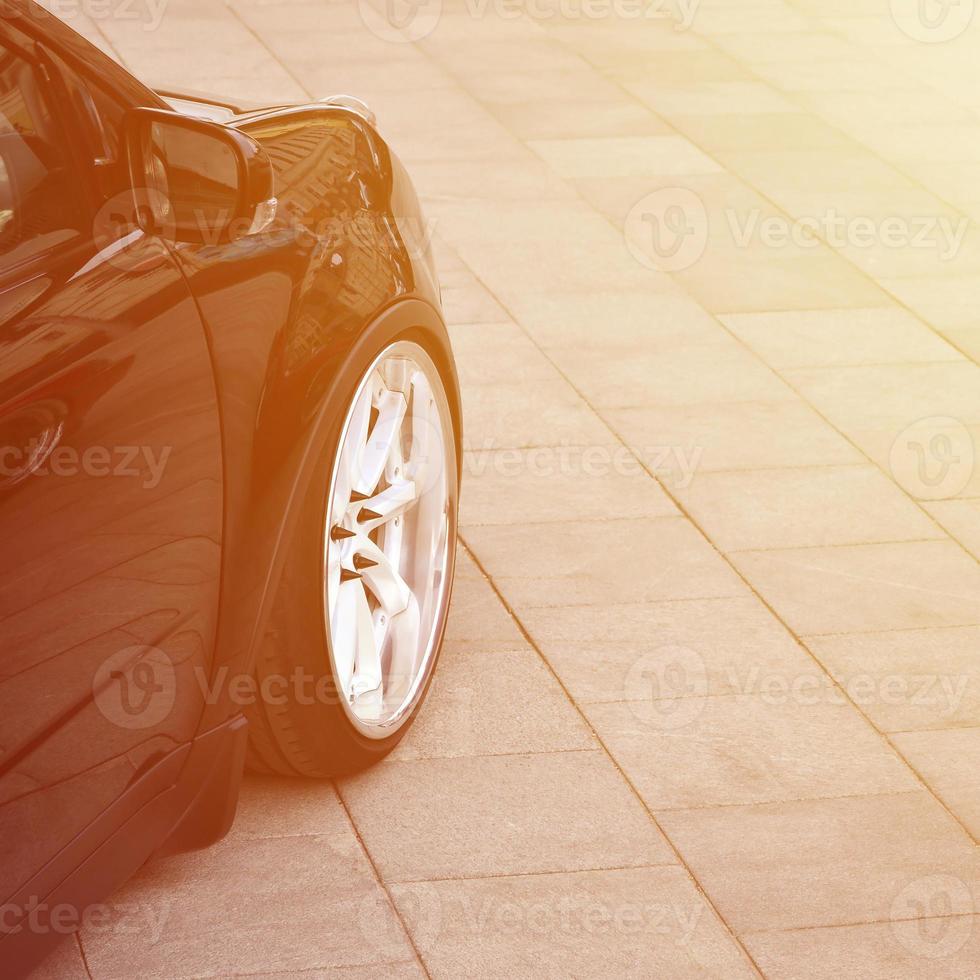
(389, 522)
(392, 502)
(383, 441)
(404, 636)
(382, 579)
(367, 674)
(344, 633)
(349, 465)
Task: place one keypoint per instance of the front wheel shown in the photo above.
(361, 612)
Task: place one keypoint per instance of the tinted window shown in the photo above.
(39, 193)
(99, 117)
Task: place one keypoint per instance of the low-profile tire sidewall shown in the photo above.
(313, 732)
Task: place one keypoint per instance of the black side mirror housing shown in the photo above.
(196, 181)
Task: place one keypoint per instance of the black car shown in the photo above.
(229, 463)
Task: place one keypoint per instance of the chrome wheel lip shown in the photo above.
(388, 726)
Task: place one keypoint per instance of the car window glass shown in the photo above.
(100, 120)
(39, 192)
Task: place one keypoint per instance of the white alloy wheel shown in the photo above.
(390, 524)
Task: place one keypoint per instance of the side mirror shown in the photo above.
(196, 181)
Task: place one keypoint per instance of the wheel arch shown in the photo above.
(270, 521)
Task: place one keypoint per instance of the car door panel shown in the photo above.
(111, 516)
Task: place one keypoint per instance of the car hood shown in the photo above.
(217, 109)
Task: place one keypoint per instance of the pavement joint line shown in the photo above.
(622, 605)
(933, 731)
(895, 629)
(795, 799)
(613, 761)
(493, 876)
(686, 292)
(236, 14)
(316, 971)
(705, 537)
(390, 761)
(800, 640)
(830, 546)
(863, 922)
(381, 882)
(969, 833)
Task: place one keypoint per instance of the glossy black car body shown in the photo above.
(195, 377)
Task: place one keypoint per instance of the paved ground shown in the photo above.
(711, 698)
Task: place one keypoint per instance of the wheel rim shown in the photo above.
(390, 527)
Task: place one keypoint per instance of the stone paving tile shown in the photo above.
(865, 588)
(471, 303)
(515, 415)
(949, 762)
(845, 338)
(576, 563)
(632, 652)
(254, 903)
(645, 922)
(560, 483)
(487, 352)
(961, 518)
(623, 156)
(930, 456)
(826, 862)
(802, 508)
(606, 320)
(519, 814)
(478, 705)
(741, 132)
(785, 743)
(275, 806)
(891, 395)
(685, 375)
(907, 680)
(477, 620)
(735, 435)
(559, 118)
(930, 949)
(739, 281)
(410, 970)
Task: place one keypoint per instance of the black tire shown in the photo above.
(311, 734)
